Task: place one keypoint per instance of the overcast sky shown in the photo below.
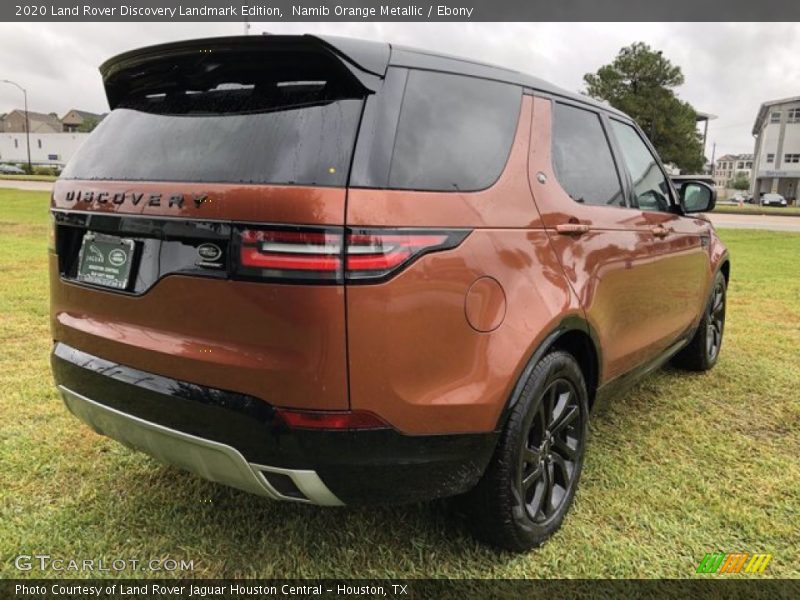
(729, 68)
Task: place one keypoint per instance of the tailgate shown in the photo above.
(186, 312)
(196, 227)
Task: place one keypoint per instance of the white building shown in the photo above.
(46, 148)
(731, 167)
(777, 149)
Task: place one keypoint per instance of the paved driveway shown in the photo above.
(769, 222)
(37, 186)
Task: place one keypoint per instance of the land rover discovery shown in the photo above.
(335, 272)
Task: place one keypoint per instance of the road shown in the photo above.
(720, 220)
(769, 222)
(36, 186)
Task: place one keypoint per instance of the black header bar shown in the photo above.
(700, 587)
(398, 10)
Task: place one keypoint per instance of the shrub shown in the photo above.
(42, 170)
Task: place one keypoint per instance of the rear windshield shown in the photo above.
(289, 132)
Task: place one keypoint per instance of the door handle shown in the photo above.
(660, 231)
(572, 228)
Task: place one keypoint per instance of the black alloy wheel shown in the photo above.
(552, 447)
(716, 320)
(530, 482)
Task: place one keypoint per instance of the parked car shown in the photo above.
(738, 198)
(10, 170)
(773, 200)
(409, 280)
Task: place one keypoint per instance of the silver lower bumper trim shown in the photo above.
(212, 460)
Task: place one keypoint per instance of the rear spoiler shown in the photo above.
(154, 69)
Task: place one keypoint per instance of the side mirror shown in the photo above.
(697, 196)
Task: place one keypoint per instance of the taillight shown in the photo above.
(296, 254)
(318, 254)
(374, 254)
(51, 233)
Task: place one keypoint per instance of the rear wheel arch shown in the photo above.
(725, 268)
(572, 335)
(582, 347)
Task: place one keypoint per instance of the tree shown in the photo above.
(640, 82)
(88, 125)
(741, 182)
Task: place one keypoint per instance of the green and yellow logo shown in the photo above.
(733, 562)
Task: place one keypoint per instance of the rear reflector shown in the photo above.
(300, 419)
(305, 254)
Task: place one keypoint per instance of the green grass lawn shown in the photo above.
(682, 465)
(29, 177)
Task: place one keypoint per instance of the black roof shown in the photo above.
(369, 56)
(403, 56)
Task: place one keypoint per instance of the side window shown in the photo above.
(650, 187)
(454, 132)
(582, 158)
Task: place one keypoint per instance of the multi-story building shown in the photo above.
(777, 148)
(731, 167)
(76, 120)
(14, 122)
(73, 121)
(52, 140)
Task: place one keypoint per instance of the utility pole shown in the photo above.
(27, 121)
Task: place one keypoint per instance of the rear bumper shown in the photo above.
(234, 439)
(212, 460)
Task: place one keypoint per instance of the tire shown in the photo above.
(702, 353)
(530, 481)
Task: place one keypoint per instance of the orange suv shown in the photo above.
(335, 271)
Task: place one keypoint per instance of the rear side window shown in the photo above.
(454, 132)
(582, 158)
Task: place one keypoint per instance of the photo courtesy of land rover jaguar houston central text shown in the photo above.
(339, 272)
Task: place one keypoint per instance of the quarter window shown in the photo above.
(775, 117)
(770, 158)
(454, 132)
(582, 158)
(650, 186)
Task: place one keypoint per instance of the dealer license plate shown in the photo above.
(106, 260)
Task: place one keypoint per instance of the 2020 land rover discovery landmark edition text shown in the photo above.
(335, 271)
